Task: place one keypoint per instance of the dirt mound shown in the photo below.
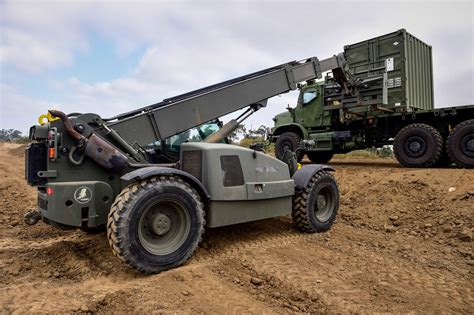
(18, 151)
(402, 243)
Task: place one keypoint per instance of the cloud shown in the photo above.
(38, 37)
(29, 54)
(17, 110)
(161, 73)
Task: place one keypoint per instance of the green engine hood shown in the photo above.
(283, 119)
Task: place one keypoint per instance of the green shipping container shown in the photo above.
(409, 67)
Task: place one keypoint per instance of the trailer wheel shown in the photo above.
(319, 157)
(288, 141)
(418, 145)
(460, 144)
(315, 207)
(156, 224)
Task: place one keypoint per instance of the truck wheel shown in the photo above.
(418, 145)
(320, 157)
(315, 208)
(460, 144)
(288, 141)
(156, 224)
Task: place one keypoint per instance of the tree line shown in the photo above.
(10, 134)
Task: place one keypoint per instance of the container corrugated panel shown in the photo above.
(409, 67)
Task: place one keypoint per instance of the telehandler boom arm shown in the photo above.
(182, 112)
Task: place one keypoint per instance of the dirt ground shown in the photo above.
(402, 243)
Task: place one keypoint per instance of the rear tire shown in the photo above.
(320, 157)
(460, 144)
(315, 208)
(156, 224)
(418, 145)
(288, 141)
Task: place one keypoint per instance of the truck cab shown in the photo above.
(308, 111)
(309, 118)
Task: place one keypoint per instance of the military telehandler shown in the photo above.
(92, 171)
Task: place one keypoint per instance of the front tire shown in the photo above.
(460, 144)
(315, 207)
(288, 141)
(156, 224)
(418, 145)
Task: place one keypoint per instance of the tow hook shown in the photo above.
(32, 217)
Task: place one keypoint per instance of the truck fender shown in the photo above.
(303, 176)
(147, 172)
(291, 127)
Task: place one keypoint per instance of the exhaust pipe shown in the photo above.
(94, 147)
(67, 125)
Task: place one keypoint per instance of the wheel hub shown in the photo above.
(321, 202)
(161, 224)
(324, 204)
(468, 143)
(415, 146)
(164, 227)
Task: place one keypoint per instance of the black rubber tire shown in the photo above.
(459, 144)
(123, 225)
(305, 203)
(427, 146)
(291, 140)
(319, 157)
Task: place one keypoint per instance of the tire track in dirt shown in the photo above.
(13, 244)
(224, 248)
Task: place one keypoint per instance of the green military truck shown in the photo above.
(396, 108)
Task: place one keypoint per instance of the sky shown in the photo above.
(110, 57)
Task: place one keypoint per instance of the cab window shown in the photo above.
(197, 134)
(308, 96)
